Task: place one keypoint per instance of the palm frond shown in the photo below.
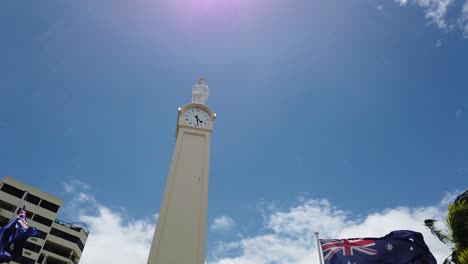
(462, 257)
(444, 238)
(462, 197)
(457, 220)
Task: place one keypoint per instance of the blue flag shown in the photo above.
(13, 235)
(398, 247)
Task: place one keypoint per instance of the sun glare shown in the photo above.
(213, 9)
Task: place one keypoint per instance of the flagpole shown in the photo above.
(14, 234)
(44, 261)
(22, 203)
(319, 248)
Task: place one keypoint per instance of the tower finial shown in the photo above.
(200, 92)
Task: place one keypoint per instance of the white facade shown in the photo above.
(57, 242)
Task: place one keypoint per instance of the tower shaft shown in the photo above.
(181, 228)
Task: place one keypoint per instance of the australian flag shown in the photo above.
(398, 247)
(13, 235)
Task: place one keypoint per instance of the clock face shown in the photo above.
(196, 117)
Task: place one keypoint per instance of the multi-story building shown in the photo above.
(57, 242)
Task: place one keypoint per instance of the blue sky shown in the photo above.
(362, 103)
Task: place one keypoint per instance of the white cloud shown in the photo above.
(116, 240)
(114, 237)
(222, 223)
(68, 187)
(287, 234)
(463, 19)
(435, 10)
(83, 197)
(461, 110)
(402, 2)
(449, 197)
(73, 185)
(380, 7)
(438, 43)
(290, 238)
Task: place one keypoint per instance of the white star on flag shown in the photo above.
(411, 248)
(389, 247)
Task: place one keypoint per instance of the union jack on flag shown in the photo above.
(332, 246)
(22, 219)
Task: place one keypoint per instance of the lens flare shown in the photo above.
(209, 10)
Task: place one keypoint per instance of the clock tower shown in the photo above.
(181, 228)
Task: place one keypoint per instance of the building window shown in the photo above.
(57, 249)
(3, 220)
(80, 244)
(25, 260)
(12, 190)
(33, 199)
(7, 206)
(41, 234)
(42, 220)
(49, 206)
(32, 246)
(67, 236)
(29, 214)
(52, 260)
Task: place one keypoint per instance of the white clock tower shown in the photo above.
(181, 229)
